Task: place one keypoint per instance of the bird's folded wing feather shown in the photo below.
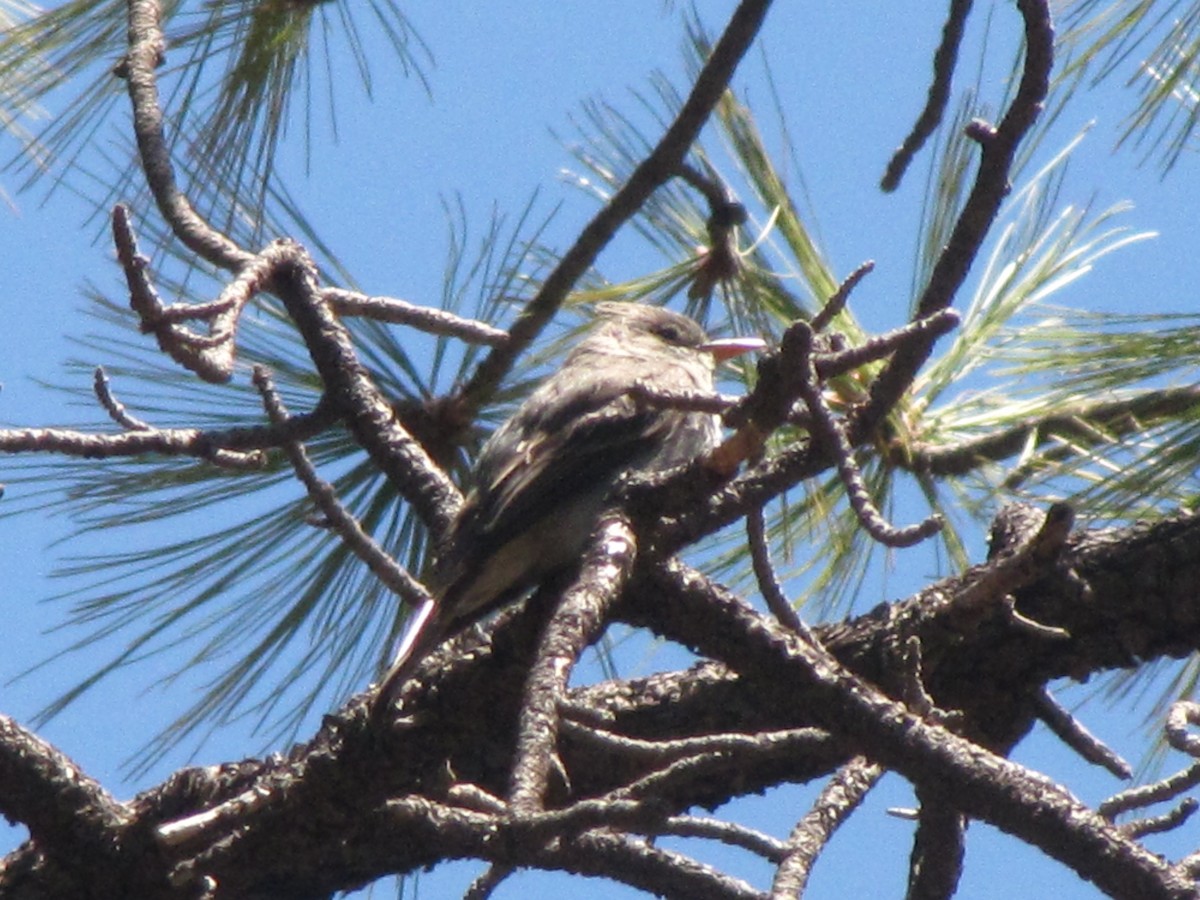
(602, 434)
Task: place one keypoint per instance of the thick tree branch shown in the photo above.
(367, 413)
(980, 783)
(66, 811)
(649, 748)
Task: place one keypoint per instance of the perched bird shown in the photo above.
(543, 478)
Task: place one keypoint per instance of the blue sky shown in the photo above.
(851, 78)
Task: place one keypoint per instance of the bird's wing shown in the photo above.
(535, 511)
(594, 435)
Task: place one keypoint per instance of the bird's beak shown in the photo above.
(728, 348)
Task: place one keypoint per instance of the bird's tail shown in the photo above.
(421, 633)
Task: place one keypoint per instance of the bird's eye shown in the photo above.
(670, 332)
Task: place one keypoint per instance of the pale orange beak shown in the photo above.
(728, 348)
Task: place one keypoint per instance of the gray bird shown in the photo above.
(543, 478)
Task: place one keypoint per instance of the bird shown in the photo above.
(545, 475)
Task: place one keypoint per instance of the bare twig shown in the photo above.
(1073, 733)
(939, 93)
(211, 355)
(764, 572)
(828, 365)
(596, 852)
(472, 796)
(231, 812)
(115, 408)
(1031, 626)
(769, 749)
(837, 800)
(586, 834)
(1182, 714)
(835, 304)
(146, 49)
(1168, 821)
(660, 165)
(730, 833)
(209, 445)
(829, 430)
(1144, 795)
(690, 401)
(935, 865)
(212, 361)
(188, 312)
(793, 740)
(683, 771)
(485, 885)
(915, 696)
(591, 813)
(367, 412)
(321, 492)
(425, 318)
(979, 212)
(573, 626)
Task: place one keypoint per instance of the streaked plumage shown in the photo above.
(543, 478)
